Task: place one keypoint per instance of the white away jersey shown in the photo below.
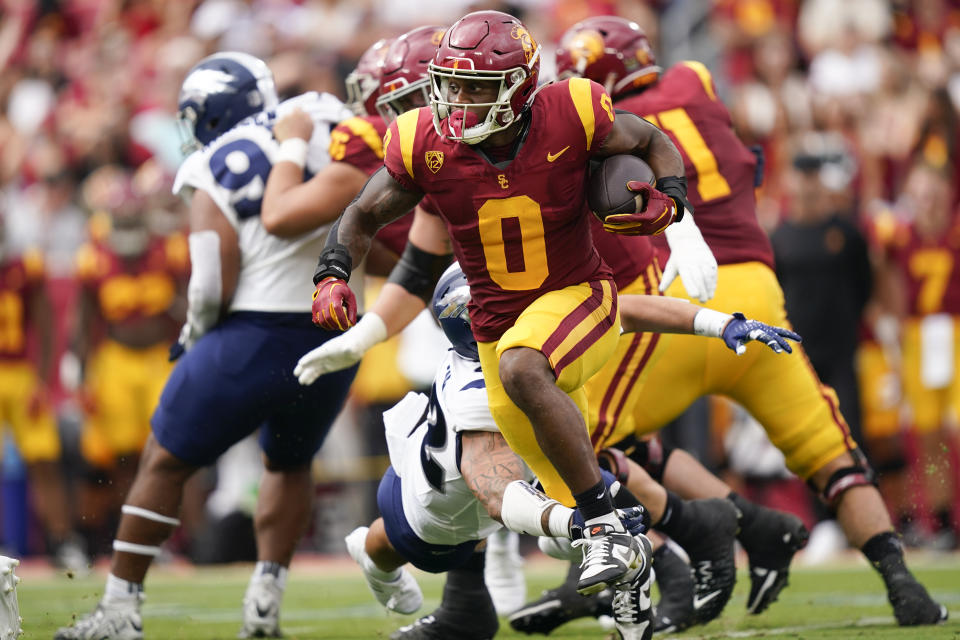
(276, 273)
(423, 438)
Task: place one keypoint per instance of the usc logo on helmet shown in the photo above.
(519, 32)
(586, 47)
(438, 36)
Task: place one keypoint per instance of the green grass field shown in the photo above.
(330, 600)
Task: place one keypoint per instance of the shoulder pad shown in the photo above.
(703, 74)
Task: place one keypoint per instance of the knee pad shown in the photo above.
(652, 455)
(859, 474)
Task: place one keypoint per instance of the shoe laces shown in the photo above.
(625, 606)
(595, 550)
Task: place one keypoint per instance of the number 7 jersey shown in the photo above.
(276, 273)
(521, 227)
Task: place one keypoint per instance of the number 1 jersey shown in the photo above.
(719, 167)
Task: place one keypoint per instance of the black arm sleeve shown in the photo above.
(418, 271)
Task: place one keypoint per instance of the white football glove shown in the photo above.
(691, 259)
(343, 351)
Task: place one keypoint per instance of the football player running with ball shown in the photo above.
(247, 323)
(802, 419)
(453, 478)
(506, 166)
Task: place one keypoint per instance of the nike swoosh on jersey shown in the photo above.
(553, 156)
(699, 601)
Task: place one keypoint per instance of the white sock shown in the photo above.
(118, 590)
(607, 518)
(275, 569)
(371, 568)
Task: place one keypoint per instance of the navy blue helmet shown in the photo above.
(220, 91)
(450, 300)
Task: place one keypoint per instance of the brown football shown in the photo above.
(607, 191)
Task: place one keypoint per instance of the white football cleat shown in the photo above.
(10, 619)
(261, 608)
(632, 604)
(402, 594)
(503, 572)
(114, 620)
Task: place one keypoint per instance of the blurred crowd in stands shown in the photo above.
(855, 105)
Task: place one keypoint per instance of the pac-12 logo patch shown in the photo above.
(434, 160)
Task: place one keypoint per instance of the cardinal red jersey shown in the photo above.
(359, 142)
(519, 227)
(129, 290)
(20, 278)
(719, 167)
(930, 267)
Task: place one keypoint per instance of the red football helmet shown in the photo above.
(404, 71)
(363, 82)
(609, 50)
(484, 45)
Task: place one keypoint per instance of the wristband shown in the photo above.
(335, 261)
(293, 150)
(676, 188)
(370, 331)
(710, 323)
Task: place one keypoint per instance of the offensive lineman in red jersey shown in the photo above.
(513, 200)
(803, 420)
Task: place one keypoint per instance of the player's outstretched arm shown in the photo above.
(291, 206)
(664, 314)
(402, 298)
(488, 465)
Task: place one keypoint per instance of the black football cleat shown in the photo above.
(674, 612)
(912, 605)
(561, 605)
(466, 611)
(709, 543)
(771, 539)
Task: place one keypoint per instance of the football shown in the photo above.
(607, 191)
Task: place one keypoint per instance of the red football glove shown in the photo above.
(334, 306)
(655, 212)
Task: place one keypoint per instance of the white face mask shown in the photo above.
(129, 243)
